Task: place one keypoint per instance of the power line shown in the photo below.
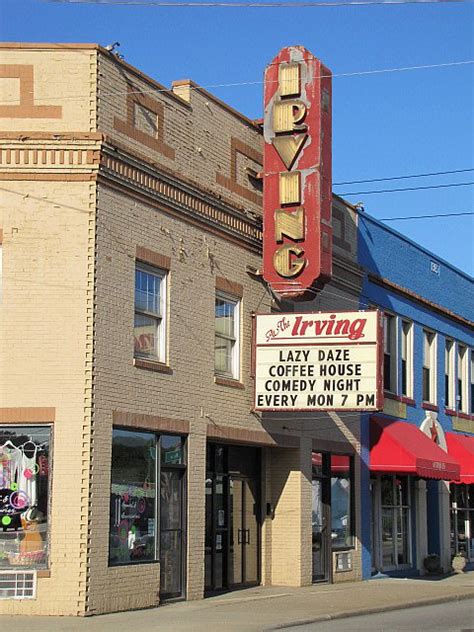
(433, 186)
(258, 5)
(237, 84)
(407, 177)
(428, 216)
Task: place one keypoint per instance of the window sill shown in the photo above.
(152, 365)
(400, 398)
(460, 414)
(227, 381)
(428, 406)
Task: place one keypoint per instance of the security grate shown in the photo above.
(17, 584)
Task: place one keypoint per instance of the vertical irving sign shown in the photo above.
(297, 192)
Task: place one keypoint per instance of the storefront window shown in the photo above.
(133, 498)
(342, 523)
(24, 492)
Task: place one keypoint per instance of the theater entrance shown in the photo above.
(232, 548)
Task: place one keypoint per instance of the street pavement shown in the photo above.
(455, 616)
(264, 609)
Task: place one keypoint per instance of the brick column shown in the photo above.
(290, 493)
(196, 448)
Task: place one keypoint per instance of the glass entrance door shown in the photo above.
(391, 528)
(171, 534)
(244, 535)
(320, 517)
(462, 520)
(232, 526)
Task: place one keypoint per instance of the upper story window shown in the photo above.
(407, 358)
(227, 326)
(449, 374)
(149, 330)
(472, 381)
(429, 367)
(462, 379)
(389, 353)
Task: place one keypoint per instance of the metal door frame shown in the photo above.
(325, 479)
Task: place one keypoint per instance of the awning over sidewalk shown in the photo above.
(400, 447)
(461, 448)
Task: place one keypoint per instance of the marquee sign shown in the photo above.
(297, 187)
(319, 361)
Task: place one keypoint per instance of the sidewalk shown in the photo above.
(259, 609)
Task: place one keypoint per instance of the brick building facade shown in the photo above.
(128, 208)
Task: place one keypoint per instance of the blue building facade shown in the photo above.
(428, 308)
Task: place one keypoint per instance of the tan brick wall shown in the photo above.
(59, 255)
(198, 132)
(47, 90)
(45, 321)
(189, 392)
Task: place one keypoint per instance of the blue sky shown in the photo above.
(383, 125)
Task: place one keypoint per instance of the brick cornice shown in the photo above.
(175, 196)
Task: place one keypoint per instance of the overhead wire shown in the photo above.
(421, 188)
(170, 91)
(405, 177)
(260, 5)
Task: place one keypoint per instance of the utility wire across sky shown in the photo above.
(257, 5)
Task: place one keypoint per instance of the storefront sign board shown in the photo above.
(322, 361)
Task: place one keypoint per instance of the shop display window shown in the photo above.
(133, 498)
(24, 496)
(342, 502)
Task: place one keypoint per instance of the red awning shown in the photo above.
(461, 448)
(339, 462)
(400, 447)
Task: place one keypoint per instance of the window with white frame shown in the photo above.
(449, 374)
(150, 303)
(462, 394)
(429, 367)
(226, 345)
(389, 353)
(407, 358)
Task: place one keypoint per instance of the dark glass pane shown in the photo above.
(209, 510)
(404, 377)
(446, 390)
(170, 563)
(132, 499)
(172, 452)
(460, 395)
(387, 491)
(170, 500)
(426, 384)
(317, 463)
(24, 486)
(341, 511)
(387, 372)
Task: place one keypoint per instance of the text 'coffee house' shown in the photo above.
(318, 361)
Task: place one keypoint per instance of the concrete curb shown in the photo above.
(345, 614)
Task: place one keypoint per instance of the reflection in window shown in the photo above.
(342, 529)
(149, 328)
(24, 485)
(133, 497)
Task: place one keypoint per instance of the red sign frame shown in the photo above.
(297, 233)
